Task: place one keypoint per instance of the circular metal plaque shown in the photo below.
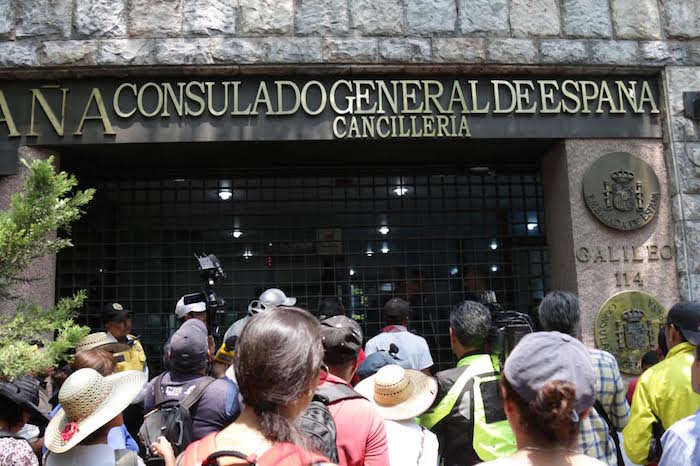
(622, 191)
(627, 326)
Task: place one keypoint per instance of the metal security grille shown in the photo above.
(430, 235)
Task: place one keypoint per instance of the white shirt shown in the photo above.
(409, 444)
(411, 347)
(84, 455)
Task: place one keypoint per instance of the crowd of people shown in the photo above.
(288, 388)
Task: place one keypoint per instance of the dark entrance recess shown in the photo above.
(426, 220)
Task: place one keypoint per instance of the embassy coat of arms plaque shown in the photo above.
(622, 191)
(627, 326)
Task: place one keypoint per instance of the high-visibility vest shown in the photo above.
(491, 440)
(132, 359)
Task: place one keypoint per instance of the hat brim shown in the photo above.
(424, 393)
(692, 337)
(125, 387)
(36, 417)
(289, 302)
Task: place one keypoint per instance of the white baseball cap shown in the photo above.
(270, 298)
(193, 302)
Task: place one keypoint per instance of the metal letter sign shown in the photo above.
(622, 191)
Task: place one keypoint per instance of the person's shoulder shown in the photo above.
(689, 425)
(602, 356)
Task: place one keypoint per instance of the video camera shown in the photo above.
(211, 273)
(507, 327)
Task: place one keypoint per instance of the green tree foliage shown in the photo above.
(47, 203)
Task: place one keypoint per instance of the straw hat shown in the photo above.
(89, 401)
(100, 340)
(399, 393)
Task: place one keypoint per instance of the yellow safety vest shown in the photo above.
(134, 359)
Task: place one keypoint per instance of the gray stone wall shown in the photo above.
(49, 33)
(616, 35)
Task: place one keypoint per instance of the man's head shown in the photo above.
(330, 307)
(396, 312)
(470, 323)
(189, 349)
(560, 311)
(116, 320)
(342, 341)
(649, 359)
(683, 324)
(192, 306)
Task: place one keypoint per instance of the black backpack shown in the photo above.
(171, 419)
(318, 424)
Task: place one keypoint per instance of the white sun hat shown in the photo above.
(270, 298)
(101, 340)
(89, 401)
(399, 393)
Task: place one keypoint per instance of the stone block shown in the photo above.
(294, 50)
(684, 168)
(693, 52)
(238, 51)
(7, 19)
(681, 18)
(587, 18)
(459, 50)
(563, 51)
(377, 17)
(425, 17)
(182, 51)
(636, 19)
(69, 52)
(125, 52)
(405, 50)
(690, 287)
(690, 205)
(614, 52)
(688, 235)
(100, 18)
(17, 54)
(322, 17)
(512, 51)
(534, 18)
(210, 17)
(660, 52)
(266, 17)
(155, 18)
(351, 50)
(43, 18)
(487, 17)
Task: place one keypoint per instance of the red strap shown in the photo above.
(288, 454)
(198, 451)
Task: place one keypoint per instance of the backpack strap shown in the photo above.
(157, 390)
(198, 451)
(193, 397)
(213, 459)
(331, 392)
(611, 430)
(124, 457)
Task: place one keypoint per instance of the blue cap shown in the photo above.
(376, 361)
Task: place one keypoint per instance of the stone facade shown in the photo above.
(511, 35)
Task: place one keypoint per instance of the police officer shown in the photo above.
(468, 416)
(117, 323)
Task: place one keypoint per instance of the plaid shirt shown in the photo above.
(594, 438)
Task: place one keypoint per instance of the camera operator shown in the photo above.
(190, 306)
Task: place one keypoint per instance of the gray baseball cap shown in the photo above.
(543, 356)
(189, 346)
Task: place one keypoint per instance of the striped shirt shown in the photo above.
(594, 435)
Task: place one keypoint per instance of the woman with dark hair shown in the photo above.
(19, 401)
(548, 387)
(277, 364)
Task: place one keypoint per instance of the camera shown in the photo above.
(507, 327)
(211, 273)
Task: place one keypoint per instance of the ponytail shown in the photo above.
(552, 414)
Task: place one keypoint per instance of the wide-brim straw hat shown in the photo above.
(100, 340)
(399, 393)
(89, 401)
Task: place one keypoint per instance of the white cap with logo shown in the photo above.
(190, 303)
(270, 298)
